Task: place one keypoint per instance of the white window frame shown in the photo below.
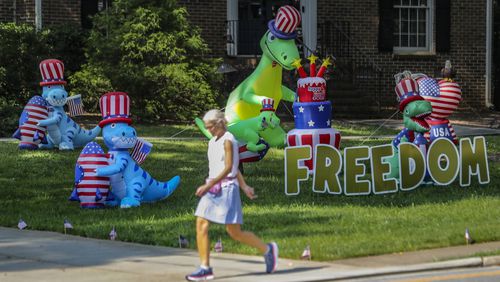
(430, 45)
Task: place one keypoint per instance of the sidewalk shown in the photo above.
(47, 256)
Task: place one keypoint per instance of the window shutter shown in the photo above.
(386, 25)
(443, 24)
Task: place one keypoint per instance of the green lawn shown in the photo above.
(35, 186)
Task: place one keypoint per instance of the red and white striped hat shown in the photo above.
(407, 91)
(52, 71)
(267, 105)
(287, 20)
(115, 107)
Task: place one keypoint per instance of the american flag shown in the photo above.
(92, 190)
(75, 105)
(141, 150)
(183, 242)
(67, 224)
(35, 111)
(306, 254)
(21, 224)
(247, 156)
(313, 137)
(113, 235)
(218, 246)
(444, 96)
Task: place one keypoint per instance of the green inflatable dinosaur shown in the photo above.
(414, 109)
(278, 51)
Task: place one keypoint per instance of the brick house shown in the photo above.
(371, 39)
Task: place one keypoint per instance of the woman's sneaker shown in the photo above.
(271, 257)
(201, 274)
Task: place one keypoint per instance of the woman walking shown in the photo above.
(220, 198)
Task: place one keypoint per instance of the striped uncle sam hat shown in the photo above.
(115, 107)
(52, 71)
(407, 91)
(267, 105)
(287, 20)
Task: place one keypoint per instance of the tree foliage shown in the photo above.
(149, 50)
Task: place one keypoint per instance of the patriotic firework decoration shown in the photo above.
(312, 112)
(444, 96)
(91, 190)
(29, 132)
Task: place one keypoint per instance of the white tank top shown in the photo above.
(216, 156)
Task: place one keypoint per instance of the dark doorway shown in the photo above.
(253, 17)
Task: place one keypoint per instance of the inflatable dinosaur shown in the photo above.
(124, 172)
(63, 132)
(278, 51)
(415, 110)
(248, 131)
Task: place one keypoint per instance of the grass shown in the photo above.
(35, 186)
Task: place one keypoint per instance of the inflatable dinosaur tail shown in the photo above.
(201, 126)
(160, 190)
(89, 135)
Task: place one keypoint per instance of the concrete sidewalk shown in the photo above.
(47, 256)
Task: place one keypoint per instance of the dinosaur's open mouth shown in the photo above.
(420, 121)
(123, 142)
(56, 102)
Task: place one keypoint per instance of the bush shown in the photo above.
(21, 51)
(149, 50)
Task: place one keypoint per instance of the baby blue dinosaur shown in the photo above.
(125, 173)
(63, 132)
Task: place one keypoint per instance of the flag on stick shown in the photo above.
(183, 242)
(468, 238)
(306, 254)
(218, 246)
(141, 150)
(75, 105)
(67, 225)
(21, 224)
(113, 234)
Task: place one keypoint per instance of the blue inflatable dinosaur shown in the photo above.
(63, 132)
(130, 184)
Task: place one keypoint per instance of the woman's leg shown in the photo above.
(202, 240)
(245, 237)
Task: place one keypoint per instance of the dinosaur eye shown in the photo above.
(113, 125)
(270, 37)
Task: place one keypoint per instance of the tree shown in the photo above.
(149, 50)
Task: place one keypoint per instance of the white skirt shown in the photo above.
(222, 208)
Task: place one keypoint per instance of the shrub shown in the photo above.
(21, 51)
(149, 50)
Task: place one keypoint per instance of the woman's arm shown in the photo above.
(228, 165)
(249, 191)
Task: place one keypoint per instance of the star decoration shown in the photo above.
(326, 62)
(301, 109)
(321, 108)
(296, 63)
(328, 122)
(311, 123)
(312, 59)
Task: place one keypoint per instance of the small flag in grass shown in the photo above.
(21, 224)
(468, 238)
(218, 246)
(183, 242)
(67, 224)
(113, 234)
(306, 254)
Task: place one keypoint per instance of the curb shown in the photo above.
(491, 260)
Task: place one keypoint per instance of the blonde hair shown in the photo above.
(216, 117)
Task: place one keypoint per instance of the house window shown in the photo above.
(413, 23)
